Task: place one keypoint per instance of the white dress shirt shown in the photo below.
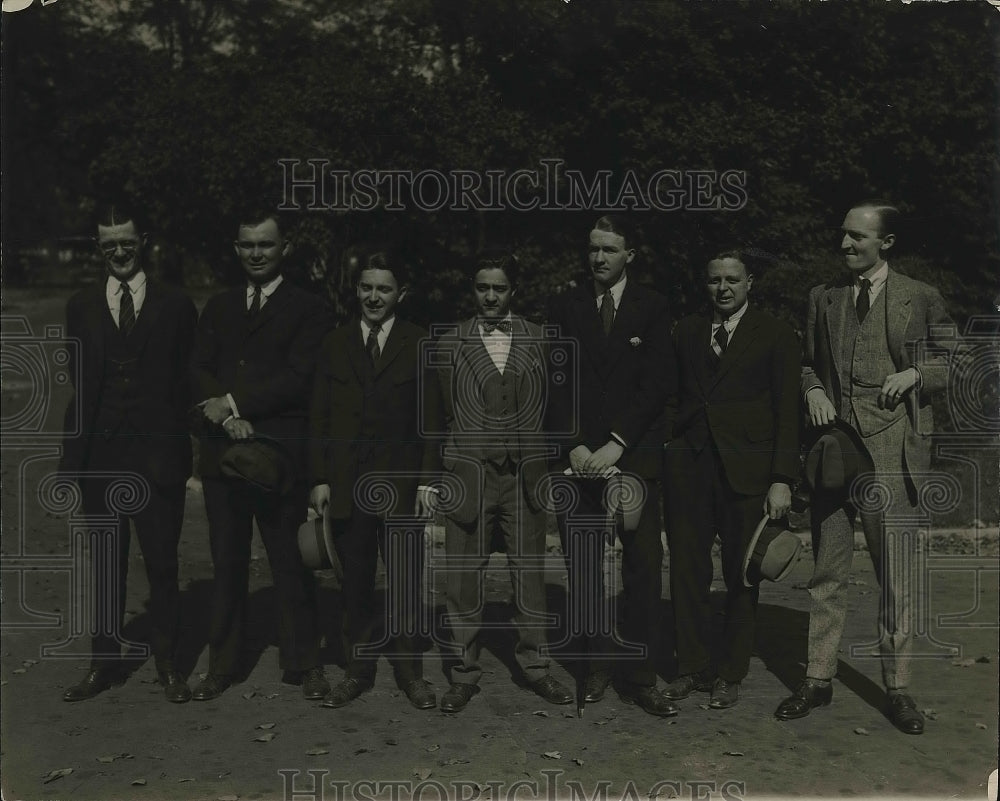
(113, 293)
(497, 344)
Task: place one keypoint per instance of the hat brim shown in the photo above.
(818, 432)
(751, 547)
(316, 543)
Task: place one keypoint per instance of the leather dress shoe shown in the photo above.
(345, 692)
(212, 686)
(683, 686)
(724, 694)
(650, 700)
(904, 714)
(552, 691)
(94, 683)
(457, 697)
(314, 684)
(174, 687)
(809, 695)
(420, 694)
(596, 684)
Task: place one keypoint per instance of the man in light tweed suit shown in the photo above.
(862, 364)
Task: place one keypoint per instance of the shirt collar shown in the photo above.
(386, 326)
(135, 283)
(617, 289)
(733, 320)
(265, 289)
(878, 279)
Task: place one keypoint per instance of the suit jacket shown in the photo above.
(461, 366)
(622, 382)
(365, 419)
(749, 399)
(913, 310)
(265, 363)
(163, 337)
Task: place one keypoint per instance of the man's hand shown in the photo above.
(778, 501)
(895, 387)
(239, 429)
(820, 408)
(319, 498)
(217, 409)
(426, 504)
(578, 457)
(603, 458)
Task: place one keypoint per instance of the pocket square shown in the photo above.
(635, 342)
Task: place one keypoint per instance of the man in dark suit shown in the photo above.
(862, 364)
(492, 373)
(254, 356)
(135, 338)
(365, 430)
(732, 458)
(625, 375)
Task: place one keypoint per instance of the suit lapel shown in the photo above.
(743, 336)
(839, 305)
(629, 310)
(269, 310)
(145, 321)
(592, 338)
(357, 356)
(700, 356)
(897, 316)
(393, 345)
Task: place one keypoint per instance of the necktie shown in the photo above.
(371, 344)
(255, 302)
(862, 303)
(607, 311)
(721, 339)
(126, 311)
(491, 324)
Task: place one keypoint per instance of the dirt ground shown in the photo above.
(129, 743)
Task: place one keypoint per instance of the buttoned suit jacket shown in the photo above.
(461, 365)
(622, 381)
(266, 363)
(750, 398)
(401, 406)
(915, 314)
(162, 336)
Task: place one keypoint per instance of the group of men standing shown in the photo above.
(475, 425)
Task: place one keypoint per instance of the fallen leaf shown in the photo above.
(957, 663)
(391, 741)
(422, 773)
(248, 695)
(541, 713)
(552, 755)
(52, 775)
(266, 737)
(181, 781)
(30, 662)
(930, 714)
(983, 660)
(138, 782)
(19, 670)
(316, 752)
(432, 748)
(734, 753)
(980, 725)
(454, 761)
(265, 725)
(361, 751)
(577, 760)
(203, 727)
(861, 730)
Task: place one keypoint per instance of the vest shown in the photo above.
(122, 387)
(865, 352)
(501, 412)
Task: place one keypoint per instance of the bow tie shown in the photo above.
(490, 325)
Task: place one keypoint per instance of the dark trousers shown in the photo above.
(634, 653)
(505, 517)
(231, 506)
(700, 504)
(158, 529)
(359, 541)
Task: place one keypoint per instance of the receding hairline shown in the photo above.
(888, 215)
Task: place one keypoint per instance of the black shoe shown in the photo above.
(595, 686)
(174, 687)
(809, 695)
(212, 686)
(457, 697)
(650, 700)
(724, 694)
(420, 694)
(904, 714)
(314, 684)
(552, 691)
(94, 683)
(345, 692)
(683, 686)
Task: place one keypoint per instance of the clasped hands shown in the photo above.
(218, 411)
(595, 464)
